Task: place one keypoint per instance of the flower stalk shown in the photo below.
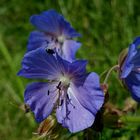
(109, 72)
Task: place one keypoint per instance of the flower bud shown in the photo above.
(48, 128)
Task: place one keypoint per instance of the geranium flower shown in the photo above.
(54, 32)
(75, 95)
(130, 69)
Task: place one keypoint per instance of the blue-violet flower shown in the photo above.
(130, 69)
(75, 95)
(54, 32)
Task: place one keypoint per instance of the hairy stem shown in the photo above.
(109, 72)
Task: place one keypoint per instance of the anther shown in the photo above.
(61, 102)
(67, 97)
(69, 101)
(58, 86)
(48, 92)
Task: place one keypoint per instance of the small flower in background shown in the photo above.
(75, 95)
(130, 69)
(54, 32)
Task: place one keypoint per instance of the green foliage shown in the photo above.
(107, 27)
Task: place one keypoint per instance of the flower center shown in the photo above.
(61, 39)
(65, 81)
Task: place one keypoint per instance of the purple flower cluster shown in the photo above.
(73, 94)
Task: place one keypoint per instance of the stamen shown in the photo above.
(67, 96)
(58, 86)
(67, 118)
(61, 102)
(69, 101)
(48, 92)
(67, 113)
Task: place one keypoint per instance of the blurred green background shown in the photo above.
(107, 26)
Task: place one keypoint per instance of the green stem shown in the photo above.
(109, 72)
(103, 73)
(131, 119)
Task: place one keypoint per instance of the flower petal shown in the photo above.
(78, 68)
(131, 59)
(128, 66)
(40, 101)
(89, 94)
(80, 107)
(137, 41)
(133, 84)
(75, 68)
(39, 64)
(136, 59)
(73, 115)
(70, 48)
(38, 39)
(47, 22)
(53, 23)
